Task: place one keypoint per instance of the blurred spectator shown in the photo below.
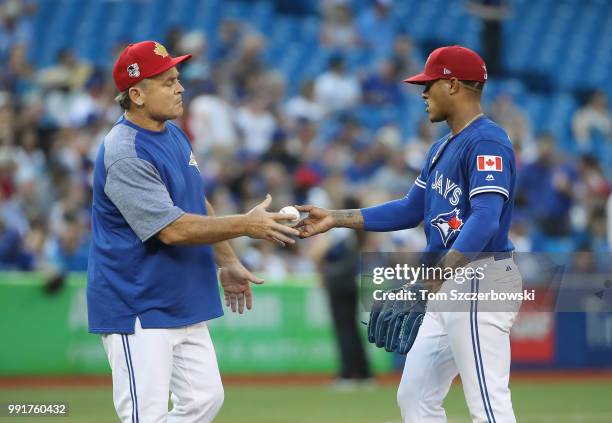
(362, 165)
(272, 87)
(173, 38)
(519, 233)
(337, 256)
(68, 250)
(492, 13)
(68, 72)
(210, 122)
(338, 30)
(247, 68)
(7, 173)
(8, 121)
(418, 147)
(594, 188)
(276, 181)
(514, 121)
(394, 177)
(16, 76)
(546, 189)
(597, 232)
(592, 123)
(306, 142)
(348, 137)
(15, 26)
(336, 89)
(377, 27)
(229, 34)
(304, 104)
(31, 159)
(384, 86)
(12, 255)
(591, 194)
(88, 104)
(406, 56)
(197, 69)
(256, 124)
(279, 152)
(266, 260)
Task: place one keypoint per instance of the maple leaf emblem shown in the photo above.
(160, 50)
(454, 223)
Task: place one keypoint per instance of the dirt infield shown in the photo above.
(16, 382)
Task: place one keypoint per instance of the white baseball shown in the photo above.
(293, 212)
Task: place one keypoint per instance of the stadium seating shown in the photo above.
(537, 39)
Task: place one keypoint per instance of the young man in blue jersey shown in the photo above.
(156, 248)
(464, 197)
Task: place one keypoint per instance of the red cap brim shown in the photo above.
(420, 79)
(175, 61)
(180, 59)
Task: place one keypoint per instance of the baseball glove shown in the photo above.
(394, 324)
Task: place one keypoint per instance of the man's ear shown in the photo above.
(137, 95)
(453, 86)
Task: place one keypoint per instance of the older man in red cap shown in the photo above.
(464, 197)
(156, 249)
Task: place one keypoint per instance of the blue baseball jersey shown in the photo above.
(478, 159)
(143, 181)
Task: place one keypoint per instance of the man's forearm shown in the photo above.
(453, 259)
(348, 218)
(224, 253)
(194, 229)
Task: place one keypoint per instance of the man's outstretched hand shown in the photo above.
(262, 224)
(319, 220)
(236, 280)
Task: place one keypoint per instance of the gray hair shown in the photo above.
(123, 98)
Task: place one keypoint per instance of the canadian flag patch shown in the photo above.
(489, 163)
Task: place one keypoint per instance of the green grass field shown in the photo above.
(534, 402)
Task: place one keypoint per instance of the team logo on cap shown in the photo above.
(133, 70)
(448, 224)
(485, 71)
(160, 50)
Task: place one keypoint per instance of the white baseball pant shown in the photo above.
(151, 363)
(472, 343)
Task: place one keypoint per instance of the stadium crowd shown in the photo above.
(253, 136)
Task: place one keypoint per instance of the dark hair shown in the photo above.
(475, 85)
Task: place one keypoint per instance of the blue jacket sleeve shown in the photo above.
(398, 214)
(482, 223)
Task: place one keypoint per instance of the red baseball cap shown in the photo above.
(143, 60)
(452, 62)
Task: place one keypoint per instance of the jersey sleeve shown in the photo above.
(490, 167)
(137, 190)
(420, 181)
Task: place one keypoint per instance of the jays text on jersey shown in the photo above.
(479, 159)
(143, 181)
